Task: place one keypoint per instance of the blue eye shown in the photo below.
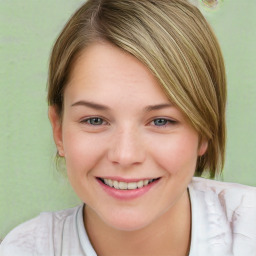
(94, 121)
(162, 122)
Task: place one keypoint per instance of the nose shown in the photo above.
(127, 148)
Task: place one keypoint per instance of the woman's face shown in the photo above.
(130, 153)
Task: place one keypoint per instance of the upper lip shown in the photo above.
(127, 180)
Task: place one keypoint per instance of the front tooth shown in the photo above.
(140, 184)
(122, 185)
(132, 185)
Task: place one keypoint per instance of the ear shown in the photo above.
(202, 147)
(56, 128)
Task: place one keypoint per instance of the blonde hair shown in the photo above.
(173, 39)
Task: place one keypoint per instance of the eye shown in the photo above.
(162, 122)
(95, 121)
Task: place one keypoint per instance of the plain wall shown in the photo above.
(29, 182)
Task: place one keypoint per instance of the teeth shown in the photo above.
(140, 184)
(124, 185)
(116, 184)
(145, 182)
(110, 183)
(132, 185)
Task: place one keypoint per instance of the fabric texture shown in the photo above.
(223, 224)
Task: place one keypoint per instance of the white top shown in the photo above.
(223, 224)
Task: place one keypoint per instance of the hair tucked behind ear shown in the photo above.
(173, 39)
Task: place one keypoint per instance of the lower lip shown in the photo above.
(127, 194)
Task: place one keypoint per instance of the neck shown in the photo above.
(167, 235)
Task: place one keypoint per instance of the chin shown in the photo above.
(128, 221)
(128, 226)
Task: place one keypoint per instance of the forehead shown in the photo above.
(104, 69)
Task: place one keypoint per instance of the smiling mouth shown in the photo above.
(121, 185)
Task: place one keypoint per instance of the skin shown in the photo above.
(137, 134)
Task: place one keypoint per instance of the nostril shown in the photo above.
(126, 158)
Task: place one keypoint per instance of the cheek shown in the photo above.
(177, 155)
(81, 152)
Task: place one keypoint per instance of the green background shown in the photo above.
(29, 182)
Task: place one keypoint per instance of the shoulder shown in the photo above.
(208, 183)
(226, 213)
(231, 194)
(235, 200)
(35, 237)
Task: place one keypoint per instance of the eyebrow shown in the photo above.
(157, 107)
(103, 107)
(90, 105)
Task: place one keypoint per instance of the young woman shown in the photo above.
(137, 95)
